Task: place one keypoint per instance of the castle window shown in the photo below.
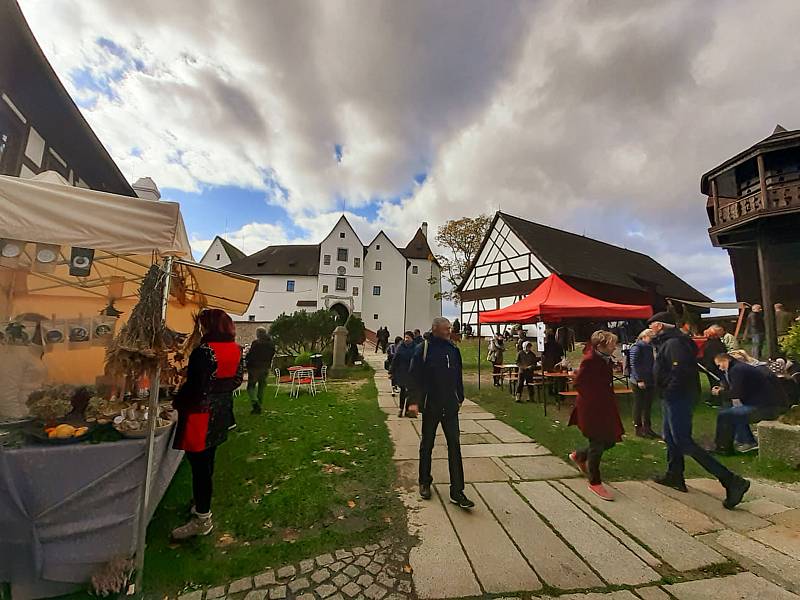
(341, 234)
(414, 270)
(326, 260)
(341, 284)
(217, 256)
(357, 262)
(355, 291)
(378, 265)
(290, 285)
(341, 254)
(375, 317)
(324, 289)
(376, 290)
(251, 317)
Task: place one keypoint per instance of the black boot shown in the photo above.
(669, 480)
(425, 491)
(256, 410)
(461, 500)
(736, 488)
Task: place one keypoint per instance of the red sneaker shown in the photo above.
(581, 464)
(601, 490)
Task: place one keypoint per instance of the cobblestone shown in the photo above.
(373, 547)
(342, 554)
(298, 584)
(256, 595)
(404, 586)
(198, 595)
(325, 590)
(308, 596)
(215, 592)
(362, 561)
(340, 580)
(380, 558)
(384, 579)
(320, 575)
(358, 551)
(375, 592)
(374, 568)
(337, 566)
(306, 566)
(365, 581)
(287, 572)
(324, 560)
(266, 578)
(385, 544)
(352, 589)
(277, 593)
(240, 585)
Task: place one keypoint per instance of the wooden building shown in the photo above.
(516, 255)
(41, 128)
(754, 210)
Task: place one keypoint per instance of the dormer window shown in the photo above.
(377, 246)
(341, 235)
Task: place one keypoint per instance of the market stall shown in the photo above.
(97, 302)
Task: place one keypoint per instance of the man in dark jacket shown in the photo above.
(641, 361)
(675, 373)
(399, 370)
(418, 339)
(258, 361)
(755, 330)
(526, 363)
(752, 400)
(438, 384)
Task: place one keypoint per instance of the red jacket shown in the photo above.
(596, 412)
(205, 401)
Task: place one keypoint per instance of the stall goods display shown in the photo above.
(133, 420)
(51, 403)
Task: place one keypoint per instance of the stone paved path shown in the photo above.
(536, 528)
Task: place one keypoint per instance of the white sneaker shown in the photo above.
(198, 525)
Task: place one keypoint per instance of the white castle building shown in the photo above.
(385, 285)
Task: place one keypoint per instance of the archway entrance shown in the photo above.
(341, 312)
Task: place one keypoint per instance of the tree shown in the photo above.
(303, 331)
(462, 239)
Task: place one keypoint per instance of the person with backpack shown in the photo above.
(399, 371)
(497, 346)
(437, 380)
(258, 361)
(675, 374)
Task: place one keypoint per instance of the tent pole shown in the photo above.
(152, 416)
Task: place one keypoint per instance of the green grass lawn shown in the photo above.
(308, 476)
(634, 458)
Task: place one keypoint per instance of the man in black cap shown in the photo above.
(676, 376)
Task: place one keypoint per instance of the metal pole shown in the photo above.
(152, 415)
(479, 346)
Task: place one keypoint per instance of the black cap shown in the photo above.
(662, 317)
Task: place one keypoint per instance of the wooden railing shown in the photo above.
(779, 198)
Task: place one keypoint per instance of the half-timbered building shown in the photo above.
(516, 255)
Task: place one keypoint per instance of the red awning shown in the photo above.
(555, 299)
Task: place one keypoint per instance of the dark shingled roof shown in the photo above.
(575, 255)
(418, 247)
(232, 251)
(279, 260)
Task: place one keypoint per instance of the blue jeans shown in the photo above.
(757, 340)
(677, 410)
(734, 423)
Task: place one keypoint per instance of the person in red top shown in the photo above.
(596, 412)
(205, 411)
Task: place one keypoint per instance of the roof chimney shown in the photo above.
(424, 229)
(146, 189)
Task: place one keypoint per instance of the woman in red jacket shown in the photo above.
(596, 412)
(205, 411)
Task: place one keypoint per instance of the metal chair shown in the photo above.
(323, 377)
(303, 377)
(279, 379)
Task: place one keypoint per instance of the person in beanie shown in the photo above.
(205, 411)
(596, 412)
(438, 385)
(641, 359)
(676, 376)
(258, 361)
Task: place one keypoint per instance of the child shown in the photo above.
(596, 413)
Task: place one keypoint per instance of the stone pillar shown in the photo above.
(339, 346)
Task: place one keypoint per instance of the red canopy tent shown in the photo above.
(555, 299)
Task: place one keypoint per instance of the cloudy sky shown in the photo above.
(266, 120)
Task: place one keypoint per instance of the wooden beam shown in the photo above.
(763, 270)
(715, 200)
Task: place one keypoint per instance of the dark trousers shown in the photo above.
(678, 437)
(734, 422)
(757, 340)
(497, 374)
(432, 416)
(524, 378)
(591, 455)
(403, 397)
(202, 464)
(256, 384)
(642, 406)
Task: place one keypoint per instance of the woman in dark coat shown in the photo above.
(401, 363)
(596, 412)
(641, 360)
(205, 411)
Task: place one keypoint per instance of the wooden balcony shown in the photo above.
(732, 212)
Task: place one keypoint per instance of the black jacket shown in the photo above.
(260, 355)
(437, 380)
(641, 361)
(755, 323)
(527, 360)
(675, 369)
(401, 363)
(748, 384)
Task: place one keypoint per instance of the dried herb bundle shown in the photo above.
(140, 346)
(113, 577)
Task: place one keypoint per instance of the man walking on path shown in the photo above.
(755, 330)
(258, 361)
(676, 375)
(437, 379)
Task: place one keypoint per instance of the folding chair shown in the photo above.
(279, 379)
(323, 377)
(303, 377)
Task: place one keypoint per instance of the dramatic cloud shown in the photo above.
(598, 117)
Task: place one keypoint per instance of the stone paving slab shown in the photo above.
(475, 469)
(610, 527)
(774, 493)
(761, 507)
(790, 518)
(675, 546)
(738, 520)
(540, 467)
(438, 546)
(615, 563)
(403, 433)
(691, 521)
(743, 586)
(387, 402)
(497, 562)
(652, 593)
(489, 450)
(763, 560)
(618, 595)
(781, 538)
(506, 433)
(552, 559)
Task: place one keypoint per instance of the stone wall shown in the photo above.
(779, 441)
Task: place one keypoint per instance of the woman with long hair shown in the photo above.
(596, 412)
(205, 411)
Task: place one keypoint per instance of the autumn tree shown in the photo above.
(461, 239)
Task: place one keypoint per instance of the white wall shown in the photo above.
(390, 305)
(216, 256)
(354, 274)
(271, 299)
(421, 304)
